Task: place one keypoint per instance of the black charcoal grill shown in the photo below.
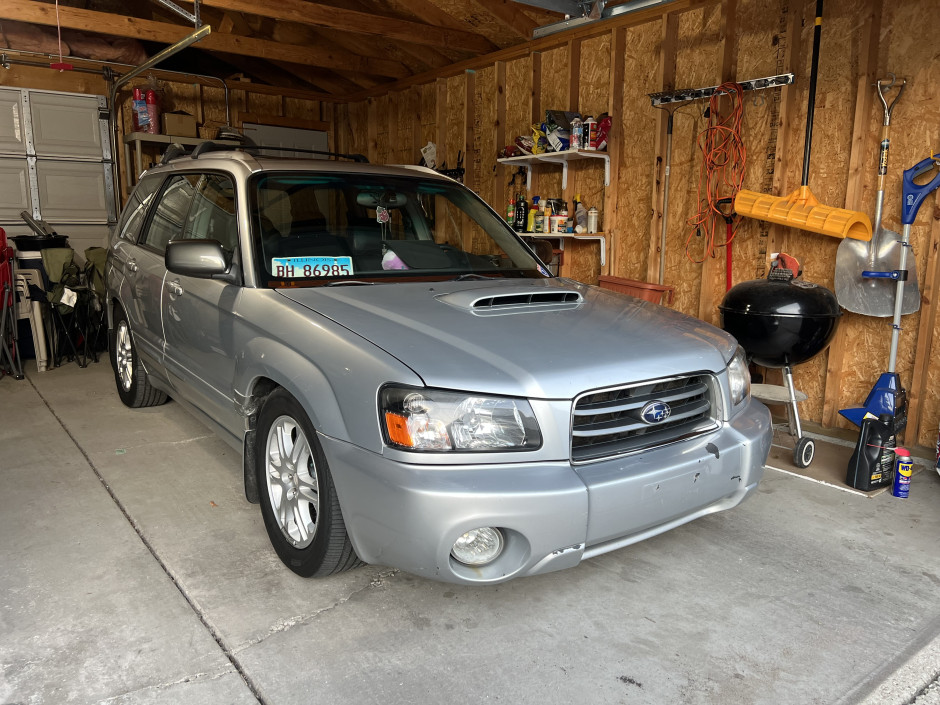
(782, 321)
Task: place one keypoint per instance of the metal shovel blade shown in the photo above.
(874, 297)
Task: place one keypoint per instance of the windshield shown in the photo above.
(311, 229)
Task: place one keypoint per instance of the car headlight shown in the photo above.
(439, 420)
(739, 377)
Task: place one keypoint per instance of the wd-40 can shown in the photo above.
(903, 469)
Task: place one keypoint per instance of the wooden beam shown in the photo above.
(508, 13)
(707, 307)
(615, 146)
(277, 121)
(667, 81)
(861, 140)
(499, 174)
(317, 15)
(165, 32)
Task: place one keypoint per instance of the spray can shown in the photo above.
(589, 133)
(511, 211)
(903, 469)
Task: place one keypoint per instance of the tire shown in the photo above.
(298, 499)
(804, 452)
(130, 378)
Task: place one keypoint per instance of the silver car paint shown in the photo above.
(334, 348)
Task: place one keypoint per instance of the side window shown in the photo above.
(170, 213)
(136, 208)
(212, 215)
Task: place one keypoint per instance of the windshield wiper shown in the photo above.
(471, 275)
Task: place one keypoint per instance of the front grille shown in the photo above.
(609, 422)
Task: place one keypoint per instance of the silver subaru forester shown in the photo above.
(407, 383)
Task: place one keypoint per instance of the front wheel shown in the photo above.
(298, 499)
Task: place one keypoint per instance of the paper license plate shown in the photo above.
(308, 267)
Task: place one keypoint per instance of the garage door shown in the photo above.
(55, 163)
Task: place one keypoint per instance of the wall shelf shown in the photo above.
(562, 158)
(561, 237)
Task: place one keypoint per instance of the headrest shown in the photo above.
(366, 240)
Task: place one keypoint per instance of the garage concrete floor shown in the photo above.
(133, 571)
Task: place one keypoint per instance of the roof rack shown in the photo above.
(255, 149)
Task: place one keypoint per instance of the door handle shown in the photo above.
(132, 265)
(175, 288)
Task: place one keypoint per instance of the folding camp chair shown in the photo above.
(10, 362)
(96, 329)
(68, 296)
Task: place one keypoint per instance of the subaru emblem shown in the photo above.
(656, 412)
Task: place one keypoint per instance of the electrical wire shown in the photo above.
(722, 172)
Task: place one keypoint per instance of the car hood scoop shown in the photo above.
(512, 299)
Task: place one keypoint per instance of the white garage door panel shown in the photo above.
(14, 190)
(72, 191)
(84, 236)
(12, 129)
(65, 125)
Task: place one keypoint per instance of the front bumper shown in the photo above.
(552, 514)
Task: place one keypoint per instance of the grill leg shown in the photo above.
(794, 412)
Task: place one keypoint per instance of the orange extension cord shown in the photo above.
(722, 171)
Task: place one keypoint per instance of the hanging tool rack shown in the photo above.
(685, 95)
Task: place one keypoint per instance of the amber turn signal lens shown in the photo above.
(397, 426)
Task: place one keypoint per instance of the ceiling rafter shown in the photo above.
(318, 15)
(508, 12)
(116, 25)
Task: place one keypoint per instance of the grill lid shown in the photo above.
(768, 297)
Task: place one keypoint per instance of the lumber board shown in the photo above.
(168, 33)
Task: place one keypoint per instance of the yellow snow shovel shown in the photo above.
(801, 209)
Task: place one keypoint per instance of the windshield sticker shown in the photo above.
(308, 267)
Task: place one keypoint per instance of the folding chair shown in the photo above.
(96, 330)
(67, 295)
(10, 362)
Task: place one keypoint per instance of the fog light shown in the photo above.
(479, 546)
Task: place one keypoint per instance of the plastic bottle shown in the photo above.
(153, 113)
(872, 464)
(592, 219)
(511, 210)
(903, 469)
(547, 218)
(530, 216)
(522, 212)
(139, 115)
(534, 212)
(580, 216)
(577, 130)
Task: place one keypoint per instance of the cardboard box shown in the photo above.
(179, 124)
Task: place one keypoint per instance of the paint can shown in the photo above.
(903, 469)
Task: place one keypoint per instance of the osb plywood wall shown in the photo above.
(475, 112)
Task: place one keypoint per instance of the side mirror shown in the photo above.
(196, 258)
